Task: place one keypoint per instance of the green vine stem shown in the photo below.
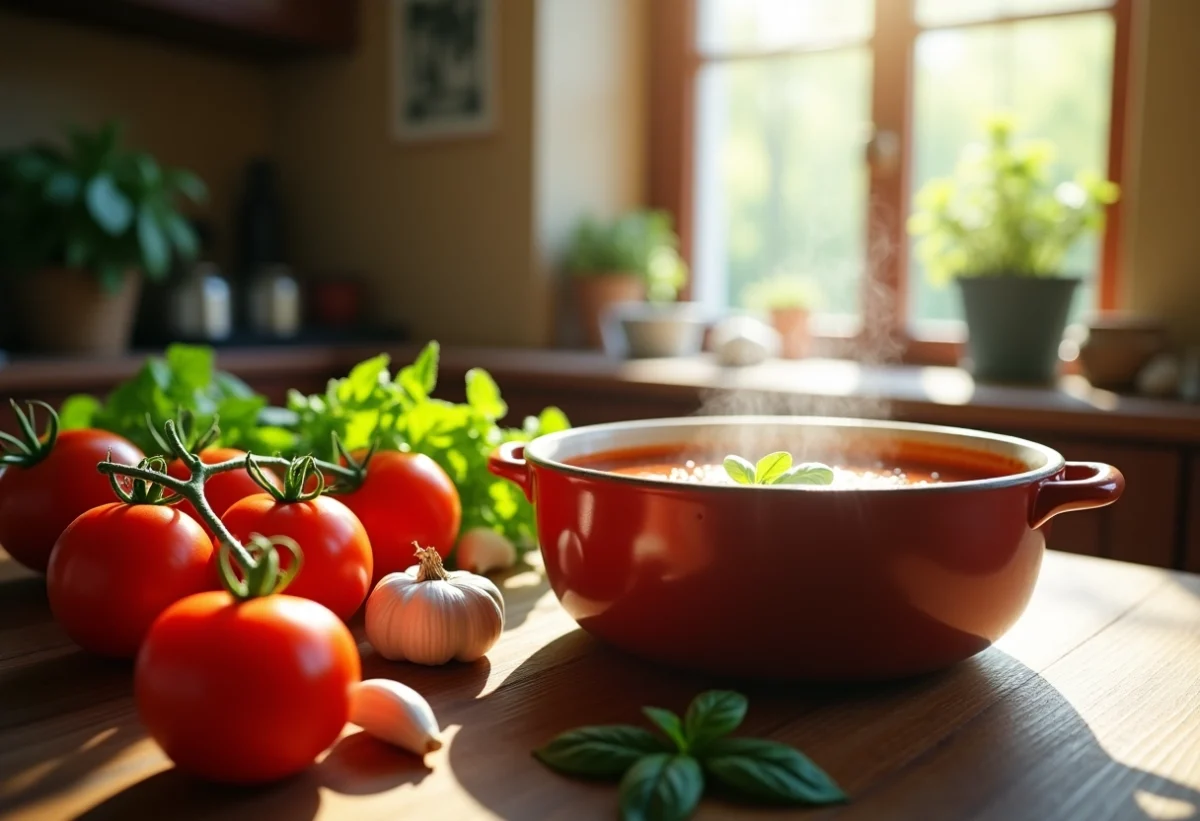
(261, 573)
(32, 449)
(144, 491)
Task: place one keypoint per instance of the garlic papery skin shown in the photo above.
(482, 550)
(395, 713)
(428, 616)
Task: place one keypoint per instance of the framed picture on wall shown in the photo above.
(443, 68)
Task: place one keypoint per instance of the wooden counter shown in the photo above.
(1089, 708)
(1154, 442)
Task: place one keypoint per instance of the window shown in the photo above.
(809, 124)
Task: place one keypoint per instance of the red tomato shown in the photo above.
(405, 498)
(224, 489)
(245, 692)
(337, 554)
(117, 567)
(37, 503)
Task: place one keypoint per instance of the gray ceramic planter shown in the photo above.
(1015, 325)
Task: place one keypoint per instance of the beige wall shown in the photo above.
(210, 114)
(589, 125)
(442, 230)
(1162, 236)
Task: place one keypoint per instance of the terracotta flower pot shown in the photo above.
(598, 292)
(792, 325)
(66, 310)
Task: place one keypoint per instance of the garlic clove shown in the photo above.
(395, 713)
(482, 550)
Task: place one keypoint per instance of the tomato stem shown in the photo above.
(32, 449)
(261, 572)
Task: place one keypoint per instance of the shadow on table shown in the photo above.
(1020, 751)
(169, 794)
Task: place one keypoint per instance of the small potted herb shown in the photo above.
(1002, 230)
(622, 262)
(79, 226)
(787, 299)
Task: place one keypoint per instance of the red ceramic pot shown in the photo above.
(798, 582)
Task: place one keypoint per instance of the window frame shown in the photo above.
(674, 64)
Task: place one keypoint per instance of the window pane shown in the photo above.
(766, 25)
(946, 12)
(1055, 75)
(780, 174)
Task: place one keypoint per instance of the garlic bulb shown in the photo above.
(482, 550)
(395, 713)
(429, 616)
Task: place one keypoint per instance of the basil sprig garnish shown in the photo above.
(777, 469)
(663, 778)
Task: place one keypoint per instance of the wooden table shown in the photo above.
(1089, 709)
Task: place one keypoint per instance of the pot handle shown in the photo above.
(508, 462)
(1083, 485)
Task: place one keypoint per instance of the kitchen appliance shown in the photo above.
(797, 582)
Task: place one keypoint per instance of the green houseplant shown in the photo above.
(1002, 230)
(629, 259)
(79, 225)
(787, 298)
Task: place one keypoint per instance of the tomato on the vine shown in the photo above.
(221, 490)
(405, 498)
(118, 566)
(337, 553)
(39, 501)
(245, 691)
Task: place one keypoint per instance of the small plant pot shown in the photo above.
(667, 330)
(597, 293)
(66, 310)
(792, 325)
(1015, 325)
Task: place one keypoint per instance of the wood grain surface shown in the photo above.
(1088, 709)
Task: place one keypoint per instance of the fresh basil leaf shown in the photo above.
(188, 366)
(661, 787)
(156, 253)
(182, 235)
(768, 771)
(78, 411)
(551, 420)
(364, 379)
(600, 752)
(669, 723)
(771, 467)
(483, 395)
(420, 378)
(807, 473)
(712, 715)
(740, 470)
(111, 209)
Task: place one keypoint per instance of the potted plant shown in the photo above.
(1002, 230)
(787, 299)
(610, 263)
(662, 326)
(79, 226)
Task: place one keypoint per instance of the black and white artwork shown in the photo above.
(443, 68)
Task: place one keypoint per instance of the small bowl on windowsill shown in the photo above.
(1117, 347)
(645, 330)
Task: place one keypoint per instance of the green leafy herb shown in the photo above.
(365, 406)
(184, 379)
(768, 771)
(777, 469)
(712, 715)
(670, 724)
(600, 752)
(661, 787)
(658, 782)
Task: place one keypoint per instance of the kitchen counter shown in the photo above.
(1089, 708)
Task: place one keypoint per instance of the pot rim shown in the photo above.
(1054, 463)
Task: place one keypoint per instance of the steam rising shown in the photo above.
(818, 387)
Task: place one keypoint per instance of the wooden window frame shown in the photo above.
(674, 64)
